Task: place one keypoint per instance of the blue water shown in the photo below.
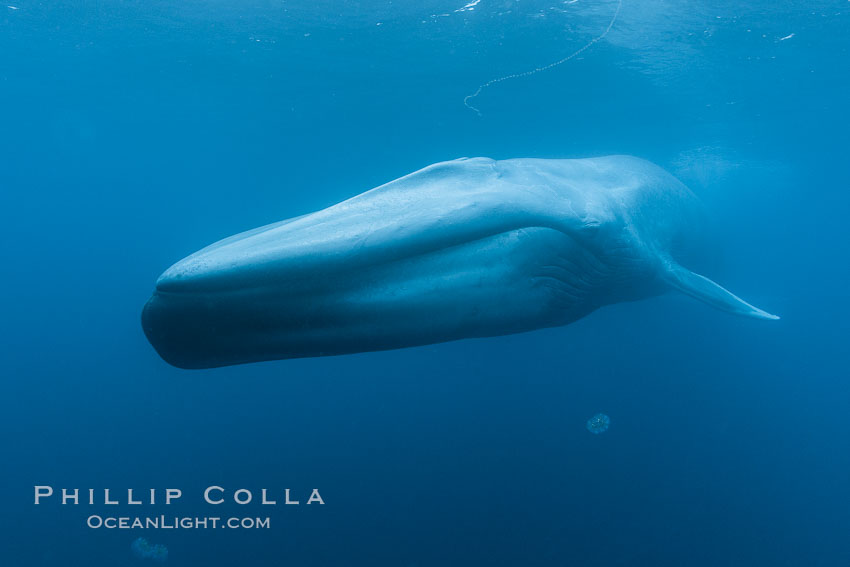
(133, 133)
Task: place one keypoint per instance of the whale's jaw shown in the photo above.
(506, 283)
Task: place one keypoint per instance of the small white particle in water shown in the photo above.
(12, 7)
(378, 24)
(306, 35)
(789, 36)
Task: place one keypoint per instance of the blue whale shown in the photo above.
(459, 249)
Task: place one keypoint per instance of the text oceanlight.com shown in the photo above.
(174, 522)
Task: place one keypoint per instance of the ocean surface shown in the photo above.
(134, 133)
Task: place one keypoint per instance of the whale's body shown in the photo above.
(466, 248)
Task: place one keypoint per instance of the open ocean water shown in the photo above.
(134, 133)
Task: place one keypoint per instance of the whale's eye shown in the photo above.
(598, 423)
(591, 224)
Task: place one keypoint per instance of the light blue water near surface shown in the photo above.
(133, 133)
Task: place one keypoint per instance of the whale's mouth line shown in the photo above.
(316, 273)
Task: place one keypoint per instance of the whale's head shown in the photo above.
(326, 284)
(460, 249)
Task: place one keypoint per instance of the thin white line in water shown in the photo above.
(530, 72)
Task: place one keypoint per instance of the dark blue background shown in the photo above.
(133, 133)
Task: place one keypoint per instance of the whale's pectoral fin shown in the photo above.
(706, 290)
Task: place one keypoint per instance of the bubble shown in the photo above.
(536, 70)
(145, 550)
(598, 423)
